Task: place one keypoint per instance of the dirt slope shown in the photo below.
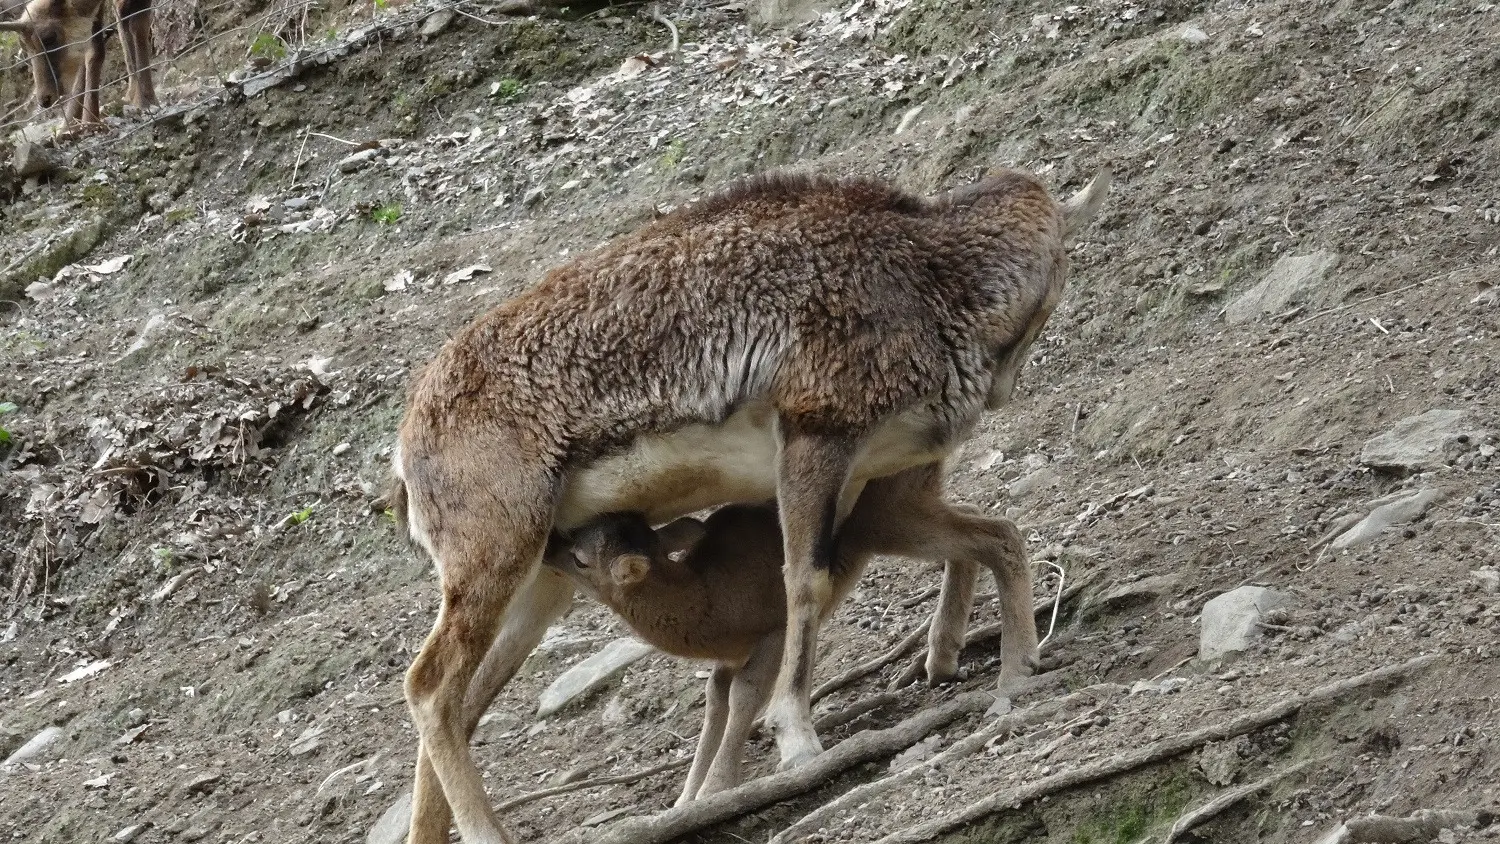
(187, 494)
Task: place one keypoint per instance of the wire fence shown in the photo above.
(296, 55)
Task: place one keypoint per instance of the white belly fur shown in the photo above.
(703, 466)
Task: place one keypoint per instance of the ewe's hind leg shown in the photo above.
(715, 711)
(811, 476)
(531, 612)
(485, 564)
(747, 697)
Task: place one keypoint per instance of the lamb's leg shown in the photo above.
(949, 628)
(747, 697)
(905, 515)
(715, 711)
(812, 473)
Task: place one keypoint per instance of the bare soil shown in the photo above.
(188, 491)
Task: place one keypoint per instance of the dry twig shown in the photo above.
(621, 779)
(1148, 754)
(665, 21)
(864, 747)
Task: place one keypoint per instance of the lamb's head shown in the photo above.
(613, 555)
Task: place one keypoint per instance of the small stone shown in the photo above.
(341, 448)
(202, 784)
(1488, 579)
(307, 742)
(605, 817)
(1420, 442)
(590, 674)
(1229, 621)
(35, 747)
(1035, 482)
(1289, 280)
(350, 163)
(1221, 761)
(437, 22)
(128, 834)
(917, 753)
(1193, 35)
(393, 823)
(1138, 592)
(135, 717)
(31, 159)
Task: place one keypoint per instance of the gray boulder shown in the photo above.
(1420, 442)
(1229, 622)
(590, 674)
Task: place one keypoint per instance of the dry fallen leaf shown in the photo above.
(466, 273)
(399, 281)
(113, 265)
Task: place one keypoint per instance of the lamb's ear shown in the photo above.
(680, 536)
(22, 25)
(629, 569)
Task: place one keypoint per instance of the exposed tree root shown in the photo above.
(864, 747)
(1149, 754)
(1228, 798)
(1008, 724)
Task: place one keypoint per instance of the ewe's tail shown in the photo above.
(1085, 204)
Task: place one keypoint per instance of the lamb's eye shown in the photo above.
(579, 561)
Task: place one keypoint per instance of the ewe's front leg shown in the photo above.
(813, 471)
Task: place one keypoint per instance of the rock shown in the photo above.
(35, 747)
(203, 783)
(1164, 687)
(135, 717)
(916, 754)
(1193, 35)
(392, 826)
(128, 834)
(31, 159)
(1137, 592)
(1488, 579)
(1390, 511)
(1289, 280)
(1420, 442)
(1229, 620)
(350, 163)
(1221, 761)
(1026, 485)
(437, 22)
(590, 674)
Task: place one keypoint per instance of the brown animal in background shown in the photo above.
(791, 337)
(724, 599)
(65, 41)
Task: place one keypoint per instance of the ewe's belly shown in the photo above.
(702, 466)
